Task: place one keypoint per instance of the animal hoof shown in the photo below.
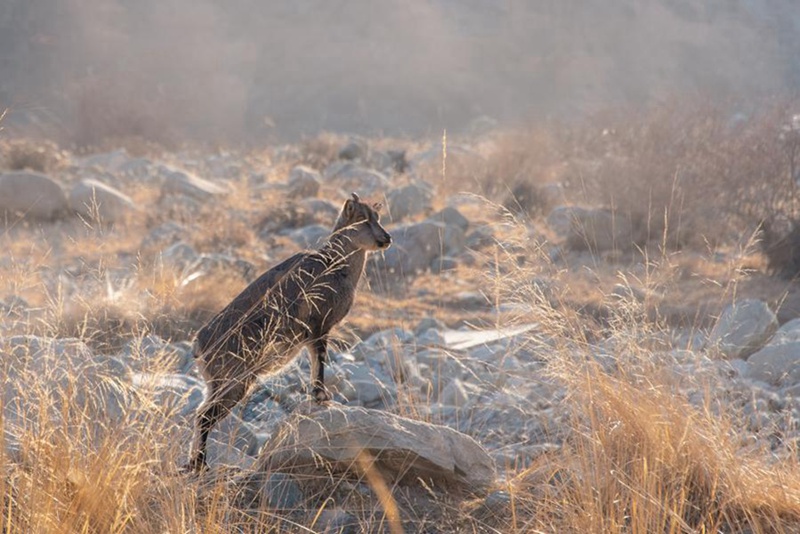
(194, 467)
(321, 396)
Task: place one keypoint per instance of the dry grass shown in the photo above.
(640, 457)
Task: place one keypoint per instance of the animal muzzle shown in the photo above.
(384, 241)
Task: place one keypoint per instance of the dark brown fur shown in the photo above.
(294, 304)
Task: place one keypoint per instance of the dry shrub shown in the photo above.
(321, 150)
(689, 172)
(30, 154)
(523, 162)
(645, 460)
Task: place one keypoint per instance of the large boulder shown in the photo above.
(776, 364)
(304, 182)
(346, 439)
(93, 199)
(351, 177)
(409, 200)
(415, 246)
(743, 328)
(32, 195)
(191, 186)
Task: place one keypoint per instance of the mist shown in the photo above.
(251, 71)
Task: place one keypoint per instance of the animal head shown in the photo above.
(360, 224)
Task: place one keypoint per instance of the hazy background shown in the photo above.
(257, 70)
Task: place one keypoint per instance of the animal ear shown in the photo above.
(349, 209)
(355, 197)
(378, 206)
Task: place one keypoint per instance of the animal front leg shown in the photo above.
(318, 371)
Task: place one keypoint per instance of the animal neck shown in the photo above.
(340, 251)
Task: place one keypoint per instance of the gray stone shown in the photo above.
(106, 161)
(164, 235)
(351, 178)
(454, 394)
(356, 148)
(369, 388)
(155, 354)
(273, 491)
(415, 247)
(776, 364)
(399, 448)
(179, 256)
(336, 521)
(303, 182)
(95, 200)
(451, 217)
(432, 337)
(311, 236)
(788, 333)
(176, 396)
(31, 195)
(222, 263)
(743, 328)
(182, 183)
(427, 323)
(408, 201)
(443, 264)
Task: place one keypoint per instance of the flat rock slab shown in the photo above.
(349, 439)
(467, 339)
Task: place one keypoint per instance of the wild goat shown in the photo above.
(294, 304)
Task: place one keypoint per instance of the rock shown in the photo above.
(451, 217)
(222, 263)
(31, 195)
(356, 148)
(454, 394)
(304, 182)
(95, 200)
(137, 168)
(336, 521)
(106, 161)
(177, 396)
(185, 184)
(368, 388)
(594, 229)
(409, 200)
(415, 247)
(310, 236)
(776, 364)
(351, 178)
(179, 256)
(402, 449)
(164, 235)
(788, 333)
(273, 491)
(496, 508)
(743, 328)
(428, 323)
(443, 264)
(153, 353)
(432, 337)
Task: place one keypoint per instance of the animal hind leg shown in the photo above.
(318, 371)
(219, 403)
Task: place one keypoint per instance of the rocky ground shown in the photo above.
(448, 378)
